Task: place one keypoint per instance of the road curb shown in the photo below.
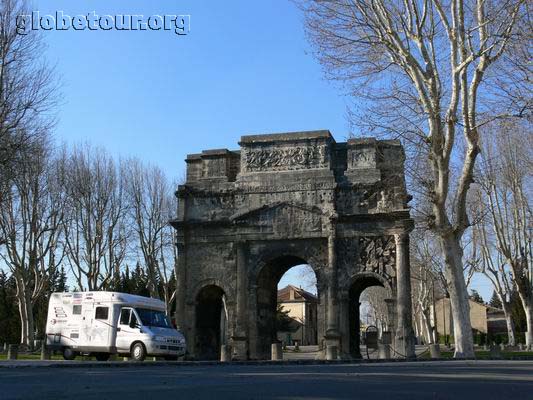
(130, 364)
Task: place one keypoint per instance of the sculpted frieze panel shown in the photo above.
(211, 208)
(377, 254)
(372, 199)
(286, 187)
(286, 158)
(363, 158)
(350, 201)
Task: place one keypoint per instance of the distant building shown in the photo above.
(302, 308)
(484, 318)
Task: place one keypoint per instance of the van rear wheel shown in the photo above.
(68, 354)
(138, 352)
(102, 356)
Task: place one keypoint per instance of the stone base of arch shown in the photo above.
(239, 348)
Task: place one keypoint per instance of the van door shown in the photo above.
(86, 325)
(125, 333)
(101, 326)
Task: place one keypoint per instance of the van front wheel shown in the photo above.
(138, 352)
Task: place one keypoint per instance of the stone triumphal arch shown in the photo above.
(245, 217)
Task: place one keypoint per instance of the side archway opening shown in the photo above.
(366, 292)
(211, 320)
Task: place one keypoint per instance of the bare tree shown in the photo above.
(151, 206)
(307, 277)
(168, 267)
(374, 307)
(30, 224)
(420, 65)
(496, 269)
(505, 179)
(96, 231)
(28, 91)
(423, 284)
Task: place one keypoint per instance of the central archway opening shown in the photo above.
(211, 321)
(287, 304)
(366, 294)
(297, 308)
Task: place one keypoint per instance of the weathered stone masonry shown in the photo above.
(245, 217)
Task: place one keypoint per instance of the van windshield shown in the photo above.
(153, 318)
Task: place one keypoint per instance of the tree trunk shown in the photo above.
(166, 297)
(529, 319)
(460, 307)
(23, 319)
(151, 266)
(30, 325)
(419, 334)
(510, 323)
(526, 297)
(26, 314)
(428, 328)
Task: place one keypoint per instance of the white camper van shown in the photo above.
(105, 323)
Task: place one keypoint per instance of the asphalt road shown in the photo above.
(421, 380)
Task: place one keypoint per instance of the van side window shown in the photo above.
(125, 316)
(76, 309)
(134, 321)
(101, 313)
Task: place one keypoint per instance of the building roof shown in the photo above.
(489, 308)
(299, 295)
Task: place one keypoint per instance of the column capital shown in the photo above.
(402, 237)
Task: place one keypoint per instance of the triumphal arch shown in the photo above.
(246, 216)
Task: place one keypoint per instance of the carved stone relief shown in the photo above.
(212, 207)
(363, 158)
(377, 254)
(289, 158)
(346, 254)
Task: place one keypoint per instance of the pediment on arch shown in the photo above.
(283, 217)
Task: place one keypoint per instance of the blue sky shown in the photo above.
(245, 67)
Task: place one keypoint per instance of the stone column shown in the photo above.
(240, 343)
(332, 288)
(343, 310)
(332, 330)
(181, 288)
(225, 353)
(12, 351)
(404, 342)
(277, 352)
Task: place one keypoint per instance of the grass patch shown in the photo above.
(55, 357)
(25, 356)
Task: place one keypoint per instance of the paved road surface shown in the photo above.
(311, 352)
(421, 380)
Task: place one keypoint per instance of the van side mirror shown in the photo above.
(133, 323)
